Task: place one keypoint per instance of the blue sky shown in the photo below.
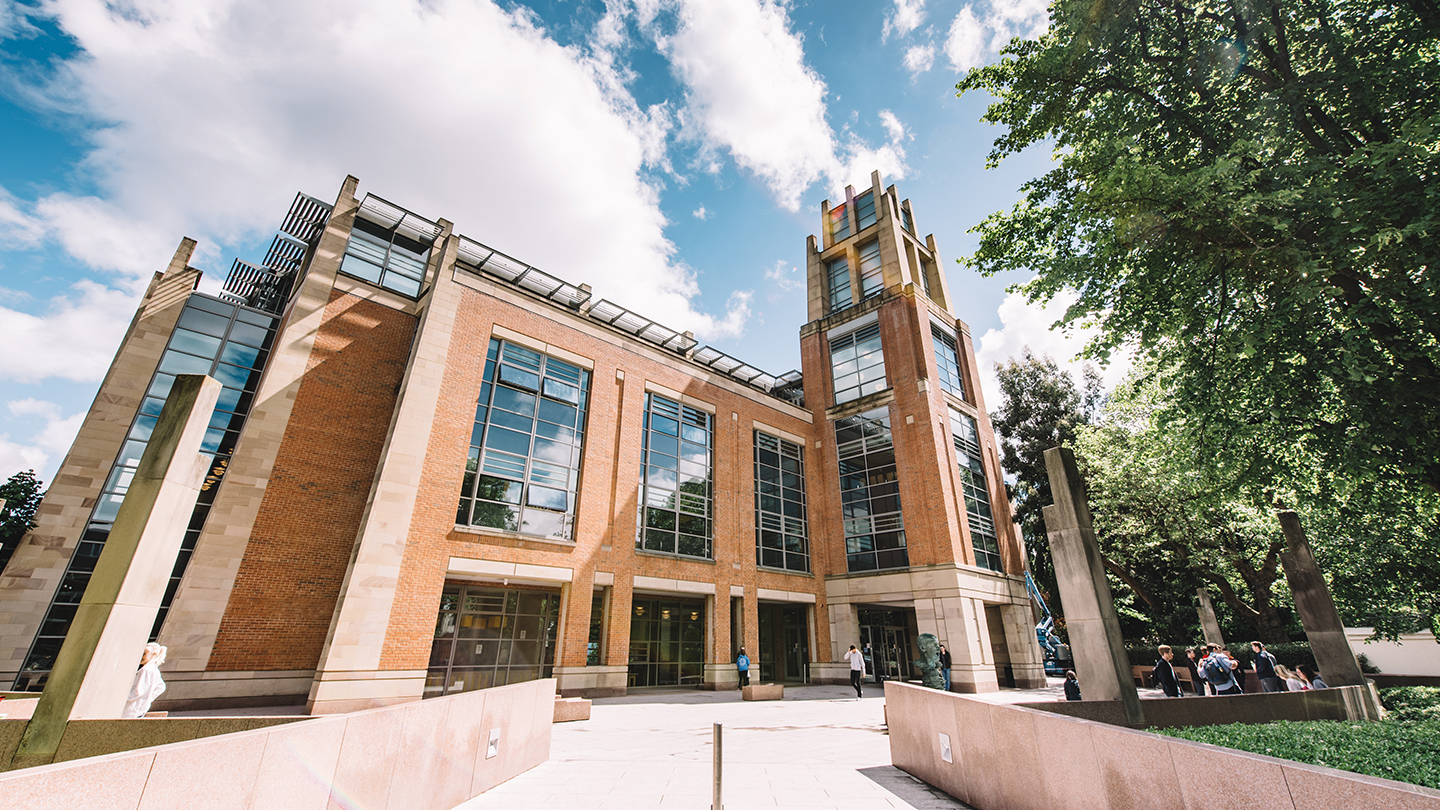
(671, 153)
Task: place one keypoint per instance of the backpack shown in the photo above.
(1216, 672)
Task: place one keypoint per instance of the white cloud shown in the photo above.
(906, 17)
(975, 40)
(73, 339)
(749, 92)
(46, 446)
(1026, 324)
(966, 44)
(214, 115)
(785, 275)
(919, 59)
(893, 127)
(18, 230)
(700, 213)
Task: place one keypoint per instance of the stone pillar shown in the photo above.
(1317, 610)
(967, 637)
(1089, 609)
(1025, 658)
(96, 666)
(1208, 623)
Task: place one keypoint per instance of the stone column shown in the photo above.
(96, 666)
(1089, 609)
(1317, 610)
(1025, 658)
(967, 637)
(1208, 623)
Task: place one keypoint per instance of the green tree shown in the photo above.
(1167, 523)
(22, 495)
(1040, 408)
(1247, 191)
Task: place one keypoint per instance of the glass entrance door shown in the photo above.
(885, 643)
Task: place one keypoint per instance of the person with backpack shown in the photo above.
(742, 663)
(1164, 673)
(1217, 670)
(1265, 668)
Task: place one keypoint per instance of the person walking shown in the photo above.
(1265, 668)
(857, 669)
(945, 666)
(1072, 685)
(148, 684)
(1219, 671)
(1164, 673)
(742, 663)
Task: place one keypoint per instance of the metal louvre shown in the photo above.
(739, 369)
(389, 215)
(285, 254)
(476, 256)
(623, 319)
(306, 218)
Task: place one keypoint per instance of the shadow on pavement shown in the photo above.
(912, 791)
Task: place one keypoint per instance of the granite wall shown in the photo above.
(424, 755)
(1012, 758)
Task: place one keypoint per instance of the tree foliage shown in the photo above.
(22, 497)
(1247, 190)
(1040, 409)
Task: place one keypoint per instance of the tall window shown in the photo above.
(385, 256)
(925, 277)
(667, 642)
(780, 530)
(839, 224)
(675, 481)
(524, 465)
(905, 220)
(865, 210)
(231, 344)
(977, 494)
(838, 274)
(947, 359)
(488, 637)
(858, 364)
(870, 493)
(872, 281)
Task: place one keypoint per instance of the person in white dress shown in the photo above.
(148, 683)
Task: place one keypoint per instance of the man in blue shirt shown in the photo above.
(1265, 668)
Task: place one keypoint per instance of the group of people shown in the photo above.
(1214, 667)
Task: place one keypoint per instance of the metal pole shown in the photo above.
(716, 805)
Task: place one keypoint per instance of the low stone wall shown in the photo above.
(1341, 703)
(1013, 758)
(93, 738)
(427, 755)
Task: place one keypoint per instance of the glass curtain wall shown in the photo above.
(872, 279)
(870, 492)
(865, 210)
(676, 507)
(857, 364)
(780, 526)
(667, 642)
(947, 359)
(487, 636)
(228, 342)
(523, 471)
(977, 494)
(386, 256)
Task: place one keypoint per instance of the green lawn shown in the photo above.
(1406, 751)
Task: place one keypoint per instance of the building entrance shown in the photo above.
(784, 644)
(491, 637)
(667, 642)
(885, 637)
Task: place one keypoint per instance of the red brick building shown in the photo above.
(439, 469)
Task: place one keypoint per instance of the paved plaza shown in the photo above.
(819, 748)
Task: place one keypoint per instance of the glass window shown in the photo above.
(865, 210)
(383, 256)
(905, 220)
(872, 280)
(870, 492)
(839, 224)
(676, 510)
(947, 360)
(488, 637)
(667, 642)
(925, 277)
(208, 330)
(839, 278)
(781, 537)
(858, 364)
(522, 472)
(977, 494)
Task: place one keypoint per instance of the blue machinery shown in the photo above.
(1057, 655)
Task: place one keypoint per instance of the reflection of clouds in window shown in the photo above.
(526, 441)
(676, 510)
